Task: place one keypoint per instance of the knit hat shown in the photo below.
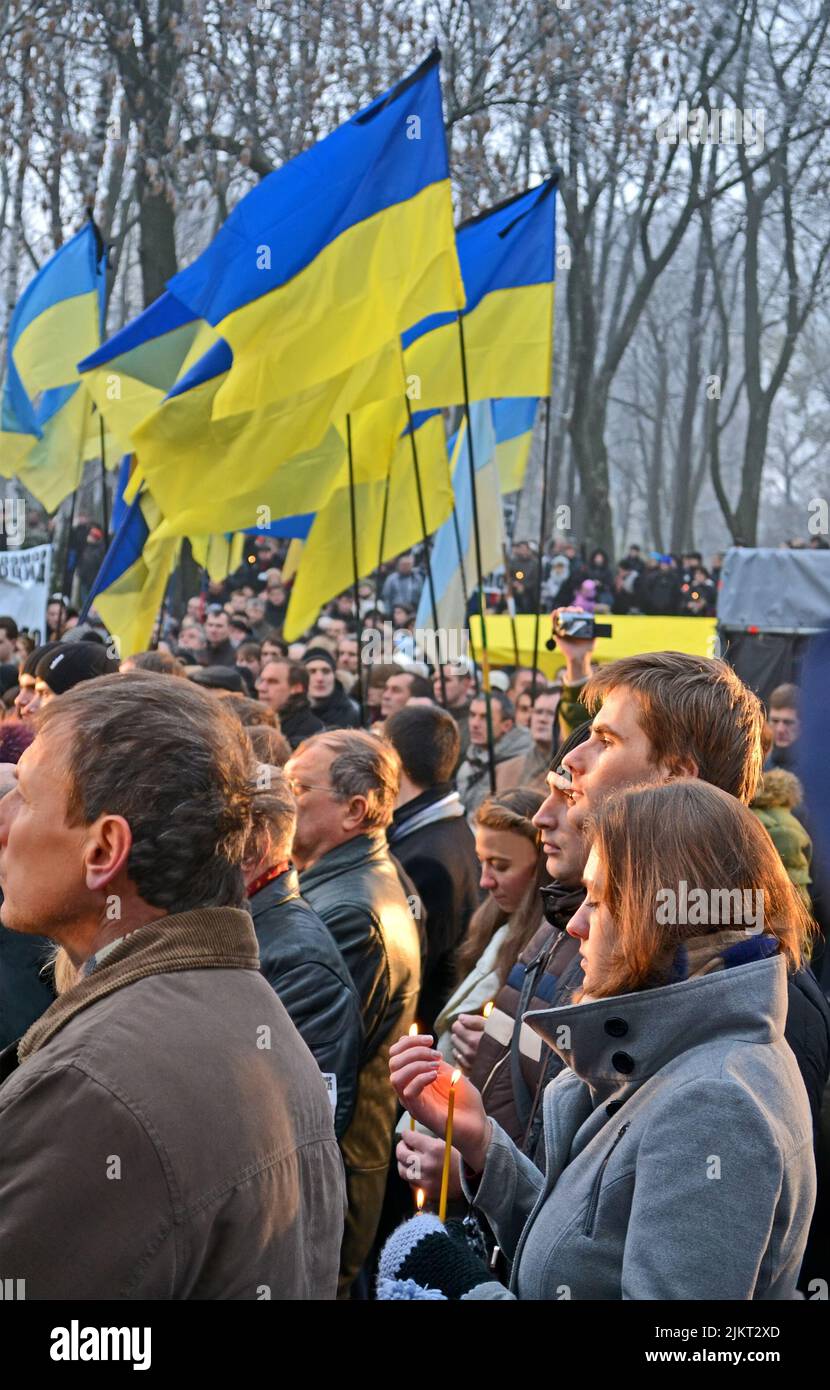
(319, 654)
(30, 665)
(69, 664)
(219, 678)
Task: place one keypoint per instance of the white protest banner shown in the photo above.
(24, 585)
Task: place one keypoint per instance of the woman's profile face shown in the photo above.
(508, 865)
(594, 926)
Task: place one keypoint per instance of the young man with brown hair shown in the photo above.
(164, 1107)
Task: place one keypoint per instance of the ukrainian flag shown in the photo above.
(453, 582)
(208, 474)
(508, 262)
(513, 421)
(129, 376)
(387, 515)
(46, 410)
(132, 580)
(330, 256)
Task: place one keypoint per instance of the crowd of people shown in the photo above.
(265, 909)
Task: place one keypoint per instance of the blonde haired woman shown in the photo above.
(679, 1151)
(508, 846)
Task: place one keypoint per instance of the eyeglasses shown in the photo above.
(300, 788)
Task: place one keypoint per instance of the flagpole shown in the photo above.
(356, 576)
(485, 661)
(66, 575)
(458, 546)
(511, 605)
(543, 513)
(427, 558)
(378, 582)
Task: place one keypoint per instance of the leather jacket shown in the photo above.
(300, 961)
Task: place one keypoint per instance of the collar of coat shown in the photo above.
(361, 849)
(436, 804)
(278, 890)
(208, 938)
(616, 1044)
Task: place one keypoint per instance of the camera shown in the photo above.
(573, 623)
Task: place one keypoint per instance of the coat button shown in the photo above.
(622, 1062)
(613, 1106)
(616, 1027)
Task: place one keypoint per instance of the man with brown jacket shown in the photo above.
(164, 1131)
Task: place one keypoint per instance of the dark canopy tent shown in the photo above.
(769, 605)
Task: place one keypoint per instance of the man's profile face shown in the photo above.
(191, 639)
(454, 684)
(6, 646)
(617, 754)
(272, 686)
(478, 722)
(318, 814)
(217, 628)
(396, 692)
(785, 725)
(33, 835)
(320, 679)
(562, 843)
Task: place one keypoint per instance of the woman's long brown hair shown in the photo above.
(512, 811)
(652, 838)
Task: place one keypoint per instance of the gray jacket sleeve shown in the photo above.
(507, 1190)
(708, 1180)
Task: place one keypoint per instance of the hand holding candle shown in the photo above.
(445, 1176)
(422, 1081)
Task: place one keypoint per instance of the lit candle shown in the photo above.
(420, 1198)
(413, 1032)
(488, 1008)
(445, 1175)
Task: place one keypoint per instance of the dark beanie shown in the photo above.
(71, 663)
(219, 678)
(319, 654)
(34, 658)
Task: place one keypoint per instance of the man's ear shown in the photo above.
(108, 846)
(684, 766)
(355, 812)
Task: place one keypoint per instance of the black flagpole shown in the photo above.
(427, 557)
(542, 531)
(356, 576)
(485, 662)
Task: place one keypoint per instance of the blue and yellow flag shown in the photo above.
(456, 577)
(387, 515)
(508, 264)
(46, 410)
(513, 421)
(129, 376)
(331, 256)
(132, 580)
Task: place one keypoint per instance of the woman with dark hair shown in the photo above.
(513, 870)
(678, 1139)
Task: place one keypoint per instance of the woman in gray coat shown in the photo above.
(678, 1156)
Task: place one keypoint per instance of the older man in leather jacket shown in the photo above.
(346, 782)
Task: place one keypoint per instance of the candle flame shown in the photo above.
(413, 1032)
(488, 1008)
(455, 1078)
(420, 1198)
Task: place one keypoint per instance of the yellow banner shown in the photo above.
(630, 636)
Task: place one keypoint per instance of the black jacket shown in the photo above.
(298, 720)
(440, 858)
(26, 989)
(299, 959)
(337, 711)
(223, 655)
(357, 890)
(808, 1033)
